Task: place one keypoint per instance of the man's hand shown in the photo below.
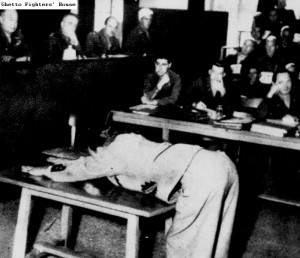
(163, 80)
(200, 105)
(289, 119)
(73, 38)
(274, 90)
(6, 59)
(23, 59)
(290, 67)
(148, 101)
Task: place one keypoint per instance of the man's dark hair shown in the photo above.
(218, 63)
(281, 69)
(163, 55)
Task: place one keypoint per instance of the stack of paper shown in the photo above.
(144, 109)
(274, 129)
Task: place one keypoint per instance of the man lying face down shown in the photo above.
(205, 202)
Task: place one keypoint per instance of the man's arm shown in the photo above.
(173, 97)
(150, 87)
(99, 164)
(90, 45)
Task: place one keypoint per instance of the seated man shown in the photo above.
(140, 40)
(163, 86)
(237, 66)
(282, 100)
(206, 197)
(285, 16)
(12, 44)
(64, 44)
(267, 62)
(210, 91)
(103, 42)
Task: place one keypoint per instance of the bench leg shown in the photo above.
(21, 231)
(132, 237)
(66, 223)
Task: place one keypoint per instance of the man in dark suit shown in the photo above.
(13, 46)
(64, 44)
(140, 39)
(163, 86)
(104, 42)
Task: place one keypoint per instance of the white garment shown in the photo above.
(206, 202)
(205, 209)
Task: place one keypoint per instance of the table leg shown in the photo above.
(132, 237)
(21, 231)
(66, 223)
(166, 135)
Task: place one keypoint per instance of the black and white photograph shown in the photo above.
(150, 129)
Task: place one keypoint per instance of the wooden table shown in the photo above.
(114, 201)
(205, 129)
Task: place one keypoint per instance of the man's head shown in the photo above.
(257, 33)
(248, 47)
(286, 34)
(284, 82)
(69, 24)
(281, 4)
(145, 17)
(9, 20)
(216, 75)
(273, 15)
(111, 26)
(162, 65)
(271, 45)
(252, 75)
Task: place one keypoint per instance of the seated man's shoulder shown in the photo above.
(151, 76)
(174, 75)
(93, 34)
(199, 81)
(55, 35)
(137, 31)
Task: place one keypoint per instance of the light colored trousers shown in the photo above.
(205, 209)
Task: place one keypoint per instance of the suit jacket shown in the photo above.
(57, 43)
(168, 94)
(98, 43)
(200, 90)
(139, 42)
(16, 48)
(275, 107)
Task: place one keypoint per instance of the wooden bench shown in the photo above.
(114, 201)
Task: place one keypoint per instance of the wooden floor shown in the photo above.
(265, 229)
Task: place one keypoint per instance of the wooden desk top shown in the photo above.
(292, 143)
(112, 197)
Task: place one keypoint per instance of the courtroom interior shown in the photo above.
(123, 81)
